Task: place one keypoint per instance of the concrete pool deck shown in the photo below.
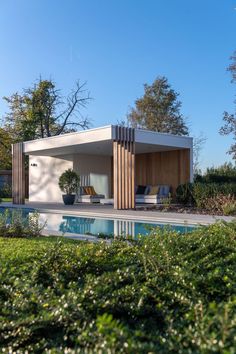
(107, 212)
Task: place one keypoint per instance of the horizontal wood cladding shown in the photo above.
(167, 167)
(18, 174)
(124, 168)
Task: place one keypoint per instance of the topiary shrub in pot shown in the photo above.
(69, 184)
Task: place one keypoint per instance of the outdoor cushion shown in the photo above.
(141, 189)
(164, 190)
(92, 191)
(89, 190)
(149, 199)
(140, 196)
(85, 198)
(147, 189)
(153, 190)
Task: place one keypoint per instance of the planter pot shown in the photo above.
(68, 199)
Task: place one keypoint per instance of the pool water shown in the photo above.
(66, 224)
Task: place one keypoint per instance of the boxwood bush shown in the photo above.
(167, 293)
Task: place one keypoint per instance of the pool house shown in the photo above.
(123, 165)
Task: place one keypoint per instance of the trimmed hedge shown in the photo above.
(168, 293)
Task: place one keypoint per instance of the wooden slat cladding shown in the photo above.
(18, 174)
(167, 167)
(124, 168)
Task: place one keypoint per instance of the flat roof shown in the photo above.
(99, 141)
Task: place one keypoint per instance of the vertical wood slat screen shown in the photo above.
(165, 167)
(124, 168)
(18, 174)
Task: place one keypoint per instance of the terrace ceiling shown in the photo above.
(99, 141)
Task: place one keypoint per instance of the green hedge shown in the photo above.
(196, 193)
(202, 191)
(168, 293)
(184, 193)
(221, 174)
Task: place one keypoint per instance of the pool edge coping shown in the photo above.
(156, 219)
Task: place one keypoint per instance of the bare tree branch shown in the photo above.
(74, 101)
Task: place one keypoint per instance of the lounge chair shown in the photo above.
(152, 194)
(88, 195)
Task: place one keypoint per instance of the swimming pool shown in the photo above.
(78, 225)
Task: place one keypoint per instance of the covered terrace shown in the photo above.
(112, 159)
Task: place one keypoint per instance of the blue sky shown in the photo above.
(117, 46)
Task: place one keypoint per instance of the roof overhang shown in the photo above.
(99, 141)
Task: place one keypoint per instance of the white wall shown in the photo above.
(44, 176)
(94, 170)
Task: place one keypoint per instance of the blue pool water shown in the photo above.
(95, 226)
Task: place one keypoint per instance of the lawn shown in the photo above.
(168, 293)
(6, 199)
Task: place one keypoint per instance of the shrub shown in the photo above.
(145, 297)
(203, 191)
(6, 191)
(210, 196)
(15, 224)
(166, 202)
(184, 193)
(229, 208)
(69, 182)
(222, 174)
(225, 204)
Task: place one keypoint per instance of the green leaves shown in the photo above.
(167, 293)
(159, 109)
(5, 149)
(219, 198)
(41, 111)
(16, 224)
(69, 182)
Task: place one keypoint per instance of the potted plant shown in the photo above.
(69, 184)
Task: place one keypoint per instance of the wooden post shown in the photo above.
(18, 174)
(124, 168)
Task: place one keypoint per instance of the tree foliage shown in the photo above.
(5, 149)
(222, 174)
(158, 109)
(229, 119)
(41, 111)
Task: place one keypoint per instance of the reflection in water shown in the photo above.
(81, 225)
(76, 225)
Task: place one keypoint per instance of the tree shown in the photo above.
(158, 109)
(229, 119)
(41, 111)
(198, 143)
(5, 150)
